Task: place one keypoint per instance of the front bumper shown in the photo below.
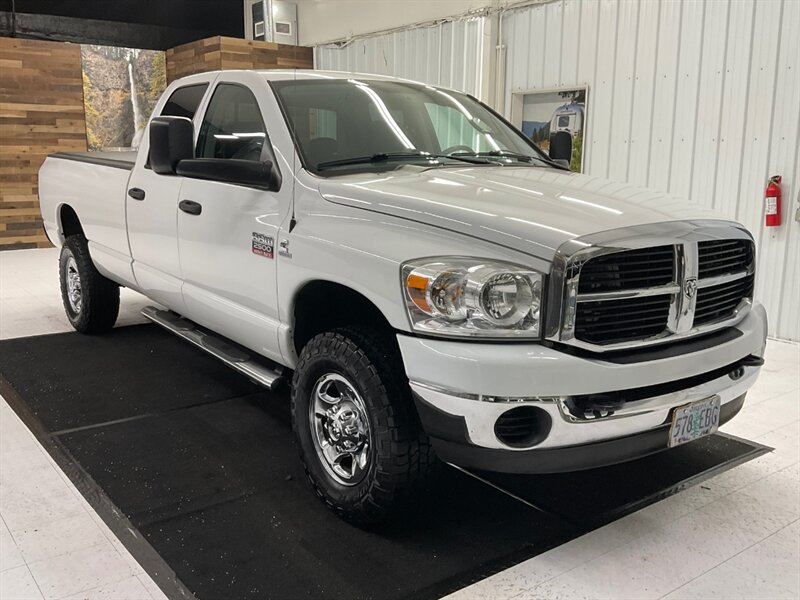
(462, 388)
(567, 458)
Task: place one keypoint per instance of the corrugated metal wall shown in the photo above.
(449, 54)
(700, 98)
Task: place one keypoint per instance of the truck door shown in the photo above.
(151, 206)
(228, 233)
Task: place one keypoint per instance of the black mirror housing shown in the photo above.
(259, 174)
(171, 141)
(561, 146)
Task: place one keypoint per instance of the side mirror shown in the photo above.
(260, 174)
(561, 147)
(171, 141)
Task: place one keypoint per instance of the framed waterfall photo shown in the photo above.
(120, 88)
(540, 114)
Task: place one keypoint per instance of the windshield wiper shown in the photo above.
(386, 156)
(504, 154)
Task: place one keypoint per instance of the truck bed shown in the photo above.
(118, 160)
(94, 186)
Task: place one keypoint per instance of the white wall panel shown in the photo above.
(322, 22)
(666, 76)
(687, 94)
(449, 54)
(644, 78)
(700, 98)
(604, 82)
(778, 246)
(622, 104)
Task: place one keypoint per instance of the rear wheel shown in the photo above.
(91, 301)
(359, 437)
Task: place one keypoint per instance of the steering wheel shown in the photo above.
(458, 148)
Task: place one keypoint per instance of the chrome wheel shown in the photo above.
(340, 429)
(73, 278)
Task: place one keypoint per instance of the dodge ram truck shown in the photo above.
(432, 286)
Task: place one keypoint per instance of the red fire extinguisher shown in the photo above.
(773, 198)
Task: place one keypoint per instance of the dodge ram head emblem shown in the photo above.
(690, 287)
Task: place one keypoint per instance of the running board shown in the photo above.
(232, 355)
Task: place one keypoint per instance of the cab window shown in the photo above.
(184, 101)
(232, 127)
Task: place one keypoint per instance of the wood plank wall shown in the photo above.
(41, 111)
(231, 53)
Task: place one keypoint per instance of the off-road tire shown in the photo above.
(402, 461)
(99, 296)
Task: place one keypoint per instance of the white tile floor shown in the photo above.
(735, 536)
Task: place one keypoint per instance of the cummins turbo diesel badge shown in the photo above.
(263, 245)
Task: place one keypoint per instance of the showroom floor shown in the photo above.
(733, 536)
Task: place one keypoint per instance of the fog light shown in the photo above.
(522, 427)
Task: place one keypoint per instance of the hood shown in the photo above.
(533, 210)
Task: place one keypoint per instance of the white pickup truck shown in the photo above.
(433, 285)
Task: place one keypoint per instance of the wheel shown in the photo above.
(90, 300)
(359, 436)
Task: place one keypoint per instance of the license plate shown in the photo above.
(694, 420)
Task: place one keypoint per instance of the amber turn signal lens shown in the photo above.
(417, 287)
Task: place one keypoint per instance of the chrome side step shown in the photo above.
(233, 356)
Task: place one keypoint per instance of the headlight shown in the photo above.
(473, 298)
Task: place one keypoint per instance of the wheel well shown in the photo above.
(70, 224)
(322, 305)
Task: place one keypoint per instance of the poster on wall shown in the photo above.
(120, 88)
(543, 113)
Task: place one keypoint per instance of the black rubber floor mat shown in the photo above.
(194, 469)
(593, 498)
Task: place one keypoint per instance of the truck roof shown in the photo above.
(309, 74)
(280, 74)
(306, 75)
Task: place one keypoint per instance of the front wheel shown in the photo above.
(359, 437)
(91, 301)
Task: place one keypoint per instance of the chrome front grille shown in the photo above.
(614, 321)
(720, 301)
(725, 276)
(630, 269)
(615, 297)
(721, 257)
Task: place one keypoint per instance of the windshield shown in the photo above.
(361, 123)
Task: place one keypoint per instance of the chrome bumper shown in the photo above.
(472, 384)
(568, 430)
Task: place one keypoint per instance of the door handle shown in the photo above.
(190, 207)
(136, 193)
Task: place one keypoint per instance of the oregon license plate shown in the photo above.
(694, 420)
